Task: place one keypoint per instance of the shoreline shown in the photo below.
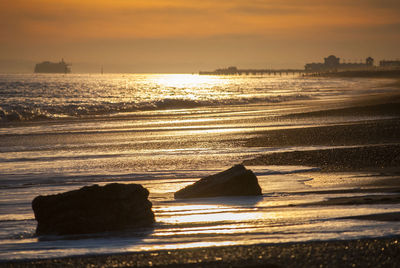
(364, 155)
(369, 144)
(372, 252)
(144, 113)
(374, 146)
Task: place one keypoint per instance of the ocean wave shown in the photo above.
(35, 112)
(24, 114)
(15, 217)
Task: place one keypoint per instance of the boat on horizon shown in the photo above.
(53, 67)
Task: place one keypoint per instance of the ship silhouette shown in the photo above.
(53, 67)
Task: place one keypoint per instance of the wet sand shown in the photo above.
(381, 252)
(365, 155)
(373, 144)
(375, 148)
(372, 158)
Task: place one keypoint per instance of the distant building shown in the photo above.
(369, 61)
(332, 63)
(52, 67)
(231, 70)
(389, 64)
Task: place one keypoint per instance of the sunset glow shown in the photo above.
(183, 133)
(186, 36)
(176, 18)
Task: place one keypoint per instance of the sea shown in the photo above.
(165, 131)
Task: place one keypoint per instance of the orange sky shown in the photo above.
(179, 36)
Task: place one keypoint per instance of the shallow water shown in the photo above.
(60, 133)
(52, 96)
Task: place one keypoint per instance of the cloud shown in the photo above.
(45, 20)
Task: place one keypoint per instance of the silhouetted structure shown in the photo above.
(389, 64)
(332, 63)
(52, 67)
(330, 66)
(232, 70)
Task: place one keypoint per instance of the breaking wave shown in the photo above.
(27, 112)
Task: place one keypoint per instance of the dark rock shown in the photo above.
(93, 209)
(235, 181)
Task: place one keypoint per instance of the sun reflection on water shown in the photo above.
(198, 214)
(189, 81)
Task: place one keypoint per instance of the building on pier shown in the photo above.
(332, 63)
(389, 64)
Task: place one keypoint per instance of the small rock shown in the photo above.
(235, 181)
(93, 209)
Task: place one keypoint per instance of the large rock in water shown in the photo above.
(235, 181)
(93, 209)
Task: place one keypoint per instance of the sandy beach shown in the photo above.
(382, 252)
(199, 133)
(370, 148)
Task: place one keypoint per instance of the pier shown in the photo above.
(235, 71)
(330, 67)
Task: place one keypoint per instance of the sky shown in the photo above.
(188, 36)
